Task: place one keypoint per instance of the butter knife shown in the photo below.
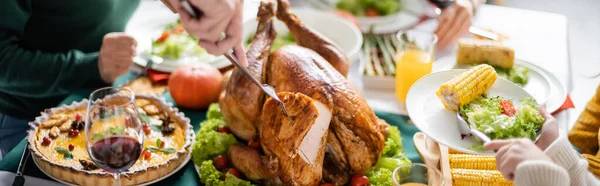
(20, 179)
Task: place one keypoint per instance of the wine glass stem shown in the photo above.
(117, 179)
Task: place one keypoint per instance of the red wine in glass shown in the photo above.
(442, 4)
(116, 152)
(113, 130)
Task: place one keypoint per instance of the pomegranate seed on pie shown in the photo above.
(147, 154)
(46, 141)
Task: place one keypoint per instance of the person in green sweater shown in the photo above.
(49, 49)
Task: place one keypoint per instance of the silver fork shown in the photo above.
(264, 87)
(465, 129)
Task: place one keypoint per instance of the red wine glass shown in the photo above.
(113, 130)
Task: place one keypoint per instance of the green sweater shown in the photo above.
(49, 48)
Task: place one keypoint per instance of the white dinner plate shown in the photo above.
(540, 84)
(145, 33)
(429, 115)
(405, 18)
(183, 164)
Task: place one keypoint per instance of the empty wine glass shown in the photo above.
(113, 130)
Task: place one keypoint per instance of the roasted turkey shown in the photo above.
(330, 132)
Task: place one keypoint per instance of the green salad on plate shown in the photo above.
(518, 74)
(175, 43)
(370, 8)
(498, 118)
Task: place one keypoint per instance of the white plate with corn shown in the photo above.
(432, 102)
(537, 81)
(533, 79)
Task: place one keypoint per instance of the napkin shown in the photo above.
(158, 77)
(566, 105)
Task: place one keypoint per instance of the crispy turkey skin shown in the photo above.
(241, 103)
(297, 140)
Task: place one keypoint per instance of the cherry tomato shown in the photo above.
(78, 117)
(347, 16)
(224, 129)
(163, 37)
(147, 154)
(71, 147)
(221, 162)
(507, 108)
(254, 144)
(46, 141)
(162, 144)
(359, 180)
(371, 12)
(147, 129)
(326, 184)
(234, 172)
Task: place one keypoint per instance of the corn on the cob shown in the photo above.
(452, 151)
(472, 51)
(470, 161)
(467, 86)
(470, 177)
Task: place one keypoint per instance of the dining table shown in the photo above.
(538, 37)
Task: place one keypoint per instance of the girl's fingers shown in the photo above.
(496, 144)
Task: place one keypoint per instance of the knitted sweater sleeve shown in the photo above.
(569, 168)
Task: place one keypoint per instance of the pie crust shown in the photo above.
(138, 174)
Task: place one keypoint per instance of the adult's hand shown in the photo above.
(218, 17)
(513, 152)
(453, 22)
(116, 55)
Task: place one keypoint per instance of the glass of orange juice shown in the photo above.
(417, 174)
(414, 59)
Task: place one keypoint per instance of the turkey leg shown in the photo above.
(309, 38)
(242, 100)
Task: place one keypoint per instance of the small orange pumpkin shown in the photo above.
(195, 87)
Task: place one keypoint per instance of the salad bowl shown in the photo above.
(430, 117)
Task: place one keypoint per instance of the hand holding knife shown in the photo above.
(196, 14)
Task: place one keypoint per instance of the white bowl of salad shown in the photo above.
(340, 31)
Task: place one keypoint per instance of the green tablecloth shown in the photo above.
(188, 175)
